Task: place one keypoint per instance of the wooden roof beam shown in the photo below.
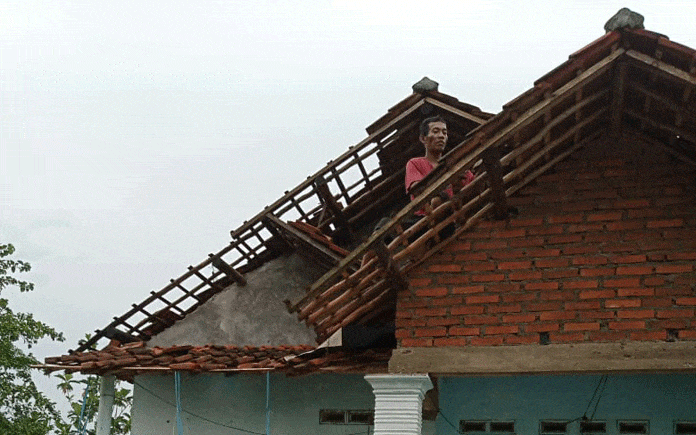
(333, 206)
(302, 238)
(491, 160)
(228, 270)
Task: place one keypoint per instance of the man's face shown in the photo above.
(436, 139)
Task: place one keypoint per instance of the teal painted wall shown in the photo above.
(240, 401)
(661, 399)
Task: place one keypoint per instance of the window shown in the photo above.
(593, 427)
(484, 426)
(685, 427)
(634, 427)
(553, 427)
(353, 416)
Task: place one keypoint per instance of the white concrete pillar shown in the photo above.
(106, 404)
(399, 403)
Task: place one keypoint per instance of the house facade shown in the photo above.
(563, 303)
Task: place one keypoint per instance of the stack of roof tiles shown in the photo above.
(135, 358)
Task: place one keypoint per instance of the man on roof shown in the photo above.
(433, 136)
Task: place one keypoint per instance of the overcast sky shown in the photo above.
(134, 135)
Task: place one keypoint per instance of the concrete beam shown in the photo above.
(549, 359)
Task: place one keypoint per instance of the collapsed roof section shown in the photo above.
(628, 82)
(324, 217)
(126, 361)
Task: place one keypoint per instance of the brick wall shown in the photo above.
(603, 249)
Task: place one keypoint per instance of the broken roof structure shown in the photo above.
(630, 82)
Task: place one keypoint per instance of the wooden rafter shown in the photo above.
(314, 247)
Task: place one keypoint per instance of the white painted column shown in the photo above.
(399, 403)
(106, 404)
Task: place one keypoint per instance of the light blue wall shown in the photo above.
(661, 399)
(240, 401)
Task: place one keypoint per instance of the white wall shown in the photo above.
(213, 401)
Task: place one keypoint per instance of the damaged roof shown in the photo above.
(629, 81)
(131, 359)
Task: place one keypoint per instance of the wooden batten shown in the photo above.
(304, 240)
(491, 160)
(228, 270)
(333, 206)
(387, 262)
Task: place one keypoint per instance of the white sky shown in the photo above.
(134, 135)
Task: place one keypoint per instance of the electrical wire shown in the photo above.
(196, 415)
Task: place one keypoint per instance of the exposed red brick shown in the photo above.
(562, 239)
(451, 341)
(486, 341)
(517, 232)
(480, 320)
(465, 310)
(525, 275)
(566, 219)
(444, 268)
(584, 315)
(420, 282)
(405, 323)
(636, 258)
(608, 335)
(432, 292)
(622, 303)
(682, 256)
(460, 330)
(543, 252)
(581, 284)
(581, 326)
(687, 335)
(632, 203)
(504, 287)
(622, 282)
(557, 315)
(626, 325)
(542, 327)
(431, 332)
(670, 314)
(416, 342)
(476, 267)
(623, 292)
(521, 339)
(665, 223)
(489, 299)
(489, 244)
(511, 308)
(624, 225)
(467, 289)
(597, 271)
(566, 338)
(403, 333)
(527, 242)
(544, 306)
(649, 335)
(453, 279)
(519, 297)
(608, 216)
(488, 277)
(545, 285)
(528, 222)
(514, 265)
(674, 268)
(519, 318)
(551, 262)
(560, 273)
(450, 301)
(634, 270)
(685, 301)
(441, 321)
(497, 330)
(587, 305)
(508, 254)
(471, 256)
(635, 314)
(431, 311)
(657, 302)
